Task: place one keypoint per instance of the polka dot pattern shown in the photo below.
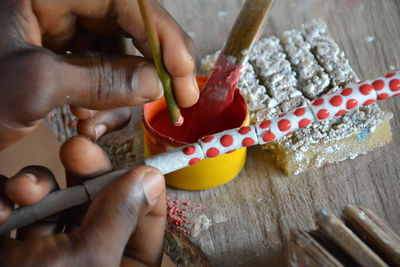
(347, 99)
(181, 157)
(228, 141)
(285, 124)
(387, 86)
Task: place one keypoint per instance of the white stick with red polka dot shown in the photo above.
(228, 141)
(361, 94)
(176, 159)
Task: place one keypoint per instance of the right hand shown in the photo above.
(124, 225)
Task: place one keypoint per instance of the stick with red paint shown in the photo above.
(218, 92)
(337, 104)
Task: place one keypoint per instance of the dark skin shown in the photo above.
(124, 225)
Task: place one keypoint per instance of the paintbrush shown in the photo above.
(218, 92)
(172, 106)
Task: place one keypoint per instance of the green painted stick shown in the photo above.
(173, 108)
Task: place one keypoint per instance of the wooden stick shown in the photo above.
(374, 232)
(344, 237)
(247, 29)
(173, 108)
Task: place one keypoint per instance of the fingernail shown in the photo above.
(153, 185)
(146, 84)
(31, 176)
(100, 129)
(195, 85)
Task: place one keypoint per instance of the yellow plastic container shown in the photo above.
(206, 174)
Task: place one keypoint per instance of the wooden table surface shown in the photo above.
(251, 217)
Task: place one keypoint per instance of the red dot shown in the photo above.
(207, 139)
(346, 92)
(368, 102)
(396, 94)
(318, 102)
(230, 151)
(390, 75)
(212, 152)
(248, 141)
(340, 112)
(323, 114)
(226, 140)
(351, 103)
(281, 115)
(360, 82)
(394, 85)
(299, 112)
(289, 133)
(193, 161)
(378, 85)
(383, 96)
(265, 124)
(189, 150)
(366, 89)
(336, 101)
(284, 125)
(268, 136)
(244, 130)
(304, 122)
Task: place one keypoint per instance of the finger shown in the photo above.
(103, 122)
(114, 214)
(146, 241)
(30, 185)
(177, 47)
(105, 82)
(83, 159)
(5, 204)
(82, 113)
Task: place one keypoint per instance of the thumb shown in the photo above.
(114, 213)
(97, 81)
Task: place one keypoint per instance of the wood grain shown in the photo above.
(251, 217)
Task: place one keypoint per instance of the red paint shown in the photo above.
(248, 141)
(217, 95)
(265, 124)
(378, 85)
(346, 92)
(207, 139)
(390, 75)
(194, 161)
(383, 96)
(268, 136)
(244, 130)
(368, 102)
(340, 112)
(212, 152)
(351, 103)
(299, 112)
(394, 85)
(323, 114)
(336, 101)
(289, 133)
(226, 140)
(189, 150)
(366, 89)
(157, 122)
(284, 125)
(281, 115)
(304, 122)
(318, 102)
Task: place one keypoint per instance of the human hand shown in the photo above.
(124, 225)
(34, 79)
